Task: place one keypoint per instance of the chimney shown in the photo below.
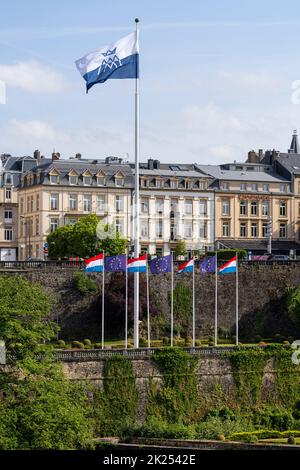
(37, 156)
(252, 157)
(156, 164)
(78, 156)
(274, 155)
(260, 154)
(150, 164)
(55, 156)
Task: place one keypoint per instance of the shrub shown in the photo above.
(84, 284)
(189, 341)
(61, 343)
(78, 345)
(198, 342)
(97, 345)
(87, 342)
(221, 437)
(143, 343)
(291, 440)
(166, 340)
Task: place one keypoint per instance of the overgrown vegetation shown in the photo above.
(84, 284)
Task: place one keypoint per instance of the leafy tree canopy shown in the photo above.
(180, 248)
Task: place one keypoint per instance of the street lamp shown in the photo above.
(27, 235)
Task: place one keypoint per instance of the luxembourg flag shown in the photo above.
(117, 60)
(137, 265)
(229, 267)
(186, 267)
(94, 264)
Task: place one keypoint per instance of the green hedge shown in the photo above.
(228, 253)
(262, 434)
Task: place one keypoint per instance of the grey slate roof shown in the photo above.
(294, 147)
(290, 161)
(244, 175)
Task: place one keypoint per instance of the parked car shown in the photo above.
(280, 258)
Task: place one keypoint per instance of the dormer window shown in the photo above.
(73, 179)
(173, 184)
(119, 182)
(8, 178)
(100, 181)
(188, 184)
(87, 180)
(54, 179)
(202, 184)
(144, 183)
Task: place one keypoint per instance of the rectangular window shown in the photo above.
(188, 184)
(225, 207)
(243, 187)
(53, 179)
(224, 185)
(22, 205)
(73, 179)
(243, 208)
(53, 224)
(188, 230)
(159, 183)
(119, 224)
(8, 194)
(266, 188)
(254, 208)
(87, 203)
(31, 203)
(254, 187)
(225, 229)
(145, 205)
(100, 202)
(243, 230)
(8, 234)
(265, 208)
(265, 230)
(283, 188)
(37, 225)
(203, 208)
(100, 181)
(144, 229)
(119, 203)
(188, 206)
(203, 230)
(173, 231)
(282, 209)
(87, 180)
(119, 182)
(73, 202)
(159, 205)
(282, 231)
(8, 215)
(54, 201)
(173, 184)
(37, 202)
(202, 185)
(254, 230)
(159, 229)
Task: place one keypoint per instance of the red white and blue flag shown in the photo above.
(137, 265)
(94, 264)
(229, 267)
(186, 267)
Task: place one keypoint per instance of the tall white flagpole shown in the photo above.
(136, 202)
(216, 301)
(126, 305)
(172, 300)
(148, 307)
(237, 302)
(103, 304)
(194, 319)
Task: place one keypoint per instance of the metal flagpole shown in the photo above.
(148, 307)
(172, 301)
(126, 305)
(237, 301)
(103, 287)
(136, 202)
(216, 301)
(194, 319)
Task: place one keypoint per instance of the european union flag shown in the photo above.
(208, 265)
(161, 265)
(115, 264)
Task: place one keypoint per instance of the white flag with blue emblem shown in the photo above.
(118, 60)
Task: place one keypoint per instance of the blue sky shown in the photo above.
(216, 78)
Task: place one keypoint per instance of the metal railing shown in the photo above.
(62, 264)
(86, 355)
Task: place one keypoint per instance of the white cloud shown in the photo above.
(210, 116)
(32, 76)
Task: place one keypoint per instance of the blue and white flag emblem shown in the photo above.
(118, 60)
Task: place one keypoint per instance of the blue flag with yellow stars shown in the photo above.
(161, 265)
(115, 264)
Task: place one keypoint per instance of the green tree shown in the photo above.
(84, 239)
(180, 248)
(41, 409)
(24, 308)
(182, 308)
(293, 305)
